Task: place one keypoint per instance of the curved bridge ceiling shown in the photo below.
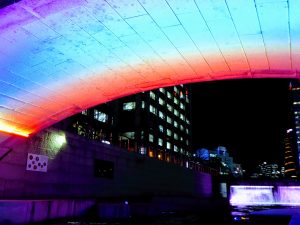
(58, 57)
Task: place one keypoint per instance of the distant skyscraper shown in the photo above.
(293, 136)
(156, 123)
(290, 158)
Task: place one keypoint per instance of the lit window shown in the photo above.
(151, 137)
(175, 136)
(187, 99)
(175, 148)
(161, 101)
(143, 104)
(187, 142)
(161, 128)
(175, 123)
(152, 95)
(161, 115)
(169, 120)
(169, 132)
(159, 156)
(181, 138)
(176, 113)
(169, 107)
(169, 95)
(187, 121)
(181, 127)
(160, 142)
(128, 106)
(142, 134)
(176, 89)
(142, 151)
(187, 130)
(176, 101)
(168, 145)
(151, 153)
(84, 112)
(181, 95)
(129, 135)
(182, 117)
(100, 116)
(182, 106)
(162, 90)
(152, 109)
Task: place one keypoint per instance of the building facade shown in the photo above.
(227, 164)
(269, 170)
(156, 123)
(292, 139)
(290, 156)
(220, 159)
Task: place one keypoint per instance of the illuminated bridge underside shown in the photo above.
(58, 57)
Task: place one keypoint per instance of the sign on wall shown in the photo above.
(37, 162)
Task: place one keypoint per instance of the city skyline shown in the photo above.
(247, 116)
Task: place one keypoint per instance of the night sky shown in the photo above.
(247, 116)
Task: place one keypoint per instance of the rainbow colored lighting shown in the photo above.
(11, 130)
(58, 58)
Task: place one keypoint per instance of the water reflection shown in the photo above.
(242, 213)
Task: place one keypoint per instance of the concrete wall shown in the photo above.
(70, 172)
(30, 211)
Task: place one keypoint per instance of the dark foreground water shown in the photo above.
(241, 215)
(235, 216)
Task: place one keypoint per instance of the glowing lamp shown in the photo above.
(59, 140)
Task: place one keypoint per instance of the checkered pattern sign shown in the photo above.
(37, 162)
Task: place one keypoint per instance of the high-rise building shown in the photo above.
(290, 158)
(156, 123)
(292, 139)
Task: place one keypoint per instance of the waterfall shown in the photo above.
(264, 195)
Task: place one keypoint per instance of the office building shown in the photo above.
(156, 123)
(269, 170)
(292, 139)
(290, 157)
(220, 159)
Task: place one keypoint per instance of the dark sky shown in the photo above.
(247, 116)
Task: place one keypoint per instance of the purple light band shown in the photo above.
(264, 195)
